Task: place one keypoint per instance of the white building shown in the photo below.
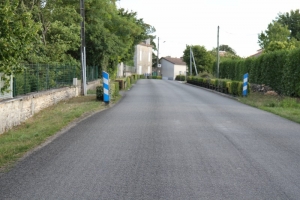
(171, 67)
(143, 58)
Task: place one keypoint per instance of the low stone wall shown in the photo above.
(15, 111)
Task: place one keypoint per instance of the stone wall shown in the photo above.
(15, 111)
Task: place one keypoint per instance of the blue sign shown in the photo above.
(245, 84)
(105, 76)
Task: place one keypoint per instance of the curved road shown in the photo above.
(165, 140)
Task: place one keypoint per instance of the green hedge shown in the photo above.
(234, 88)
(128, 82)
(99, 93)
(280, 70)
(121, 84)
(180, 78)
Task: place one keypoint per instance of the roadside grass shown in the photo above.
(37, 129)
(286, 107)
(91, 92)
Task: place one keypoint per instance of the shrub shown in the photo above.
(99, 93)
(116, 89)
(128, 83)
(121, 84)
(180, 78)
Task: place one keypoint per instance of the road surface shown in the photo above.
(165, 140)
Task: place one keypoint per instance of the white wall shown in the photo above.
(15, 111)
(143, 58)
(120, 72)
(167, 69)
(178, 68)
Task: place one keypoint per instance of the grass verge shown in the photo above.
(286, 107)
(36, 130)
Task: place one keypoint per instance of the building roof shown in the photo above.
(175, 61)
(259, 52)
(145, 43)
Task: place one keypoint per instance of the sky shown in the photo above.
(195, 22)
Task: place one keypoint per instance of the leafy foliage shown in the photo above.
(17, 31)
(292, 21)
(48, 31)
(282, 33)
(280, 70)
(203, 58)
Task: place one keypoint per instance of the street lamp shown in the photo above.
(158, 55)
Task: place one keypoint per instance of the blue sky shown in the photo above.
(195, 22)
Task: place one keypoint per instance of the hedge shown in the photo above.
(279, 70)
(234, 88)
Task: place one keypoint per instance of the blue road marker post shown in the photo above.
(245, 84)
(105, 76)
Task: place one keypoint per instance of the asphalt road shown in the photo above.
(165, 140)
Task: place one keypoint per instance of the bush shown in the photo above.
(116, 89)
(128, 83)
(121, 84)
(180, 78)
(99, 93)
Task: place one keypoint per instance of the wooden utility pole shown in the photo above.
(157, 56)
(218, 54)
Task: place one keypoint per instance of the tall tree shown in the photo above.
(111, 34)
(203, 58)
(275, 32)
(292, 21)
(282, 33)
(59, 35)
(227, 49)
(17, 31)
(229, 52)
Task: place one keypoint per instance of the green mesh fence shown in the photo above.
(92, 73)
(41, 77)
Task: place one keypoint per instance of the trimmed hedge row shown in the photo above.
(180, 78)
(222, 85)
(280, 70)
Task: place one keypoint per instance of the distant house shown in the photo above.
(143, 58)
(222, 53)
(258, 53)
(171, 67)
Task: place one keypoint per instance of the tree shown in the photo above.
(229, 52)
(58, 39)
(292, 21)
(282, 33)
(111, 34)
(203, 58)
(17, 31)
(227, 48)
(275, 32)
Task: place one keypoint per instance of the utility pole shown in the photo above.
(190, 61)
(82, 50)
(218, 54)
(157, 56)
